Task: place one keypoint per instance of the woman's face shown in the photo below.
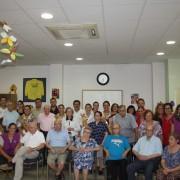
(172, 141)
(97, 117)
(88, 109)
(131, 111)
(149, 117)
(61, 109)
(20, 105)
(115, 108)
(160, 109)
(178, 110)
(168, 110)
(86, 133)
(141, 111)
(106, 106)
(27, 111)
(12, 129)
(69, 113)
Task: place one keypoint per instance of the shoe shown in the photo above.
(5, 167)
(100, 172)
(62, 176)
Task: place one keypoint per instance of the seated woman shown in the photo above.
(84, 148)
(116, 148)
(9, 144)
(170, 161)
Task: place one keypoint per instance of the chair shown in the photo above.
(29, 163)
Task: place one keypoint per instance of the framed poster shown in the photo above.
(55, 93)
(34, 88)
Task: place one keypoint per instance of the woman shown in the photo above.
(116, 148)
(106, 111)
(20, 107)
(88, 117)
(9, 144)
(176, 121)
(61, 115)
(83, 155)
(170, 160)
(167, 122)
(114, 109)
(159, 113)
(131, 110)
(140, 116)
(99, 131)
(71, 125)
(149, 122)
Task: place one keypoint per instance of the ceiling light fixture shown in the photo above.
(6, 61)
(79, 58)
(160, 53)
(170, 42)
(68, 44)
(46, 15)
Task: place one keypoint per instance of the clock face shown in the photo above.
(103, 78)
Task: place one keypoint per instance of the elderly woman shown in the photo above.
(116, 147)
(9, 144)
(170, 160)
(157, 130)
(83, 149)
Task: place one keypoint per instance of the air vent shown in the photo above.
(85, 31)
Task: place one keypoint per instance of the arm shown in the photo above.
(38, 148)
(4, 154)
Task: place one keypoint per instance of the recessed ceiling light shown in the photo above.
(170, 42)
(46, 15)
(79, 58)
(68, 44)
(160, 53)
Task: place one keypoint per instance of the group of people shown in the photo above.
(126, 141)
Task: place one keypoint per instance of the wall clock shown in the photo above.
(103, 78)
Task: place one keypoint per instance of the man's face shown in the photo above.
(57, 126)
(38, 103)
(76, 106)
(3, 102)
(122, 111)
(27, 111)
(106, 107)
(32, 128)
(47, 110)
(141, 103)
(10, 106)
(53, 102)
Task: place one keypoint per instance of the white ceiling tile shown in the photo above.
(7, 5)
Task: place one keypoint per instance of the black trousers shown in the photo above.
(116, 169)
(146, 167)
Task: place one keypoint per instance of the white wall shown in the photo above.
(131, 78)
(145, 79)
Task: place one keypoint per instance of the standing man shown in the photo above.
(38, 108)
(54, 108)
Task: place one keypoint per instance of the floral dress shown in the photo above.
(84, 160)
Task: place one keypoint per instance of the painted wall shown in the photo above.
(145, 79)
(174, 80)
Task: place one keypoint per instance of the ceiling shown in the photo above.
(131, 31)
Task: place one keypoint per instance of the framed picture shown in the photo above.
(55, 93)
(34, 88)
(134, 98)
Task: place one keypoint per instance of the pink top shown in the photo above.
(46, 121)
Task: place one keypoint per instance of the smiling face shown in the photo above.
(168, 109)
(106, 107)
(27, 110)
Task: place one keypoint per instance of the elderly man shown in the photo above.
(127, 123)
(148, 151)
(57, 142)
(10, 116)
(31, 143)
(46, 120)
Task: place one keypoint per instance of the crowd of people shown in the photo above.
(121, 141)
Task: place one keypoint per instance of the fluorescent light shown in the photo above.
(79, 58)
(160, 53)
(46, 15)
(170, 42)
(68, 44)
(6, 61)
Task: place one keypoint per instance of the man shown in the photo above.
(46, 120)
(57, 142)
(3, 108)
(127, 123)
(141, 103)
(78, 113)
(38, 108)
(10, 116)
(148, 151)
(31, 143)
(116, 147)
(54, 108)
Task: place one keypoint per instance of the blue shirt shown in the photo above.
(57, 138)
(148, 147)
(116, 146)
(10, 117)
(98, 131)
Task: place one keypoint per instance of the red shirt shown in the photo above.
(166, 128)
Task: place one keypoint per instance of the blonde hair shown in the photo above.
(58, 120)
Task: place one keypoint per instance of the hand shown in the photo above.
(142, 157)
(82, 150)
(52, 150)
(9, 159)
(124, 155)
(106, 153)
(29, 150)
(165, 171)
(62, 151)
